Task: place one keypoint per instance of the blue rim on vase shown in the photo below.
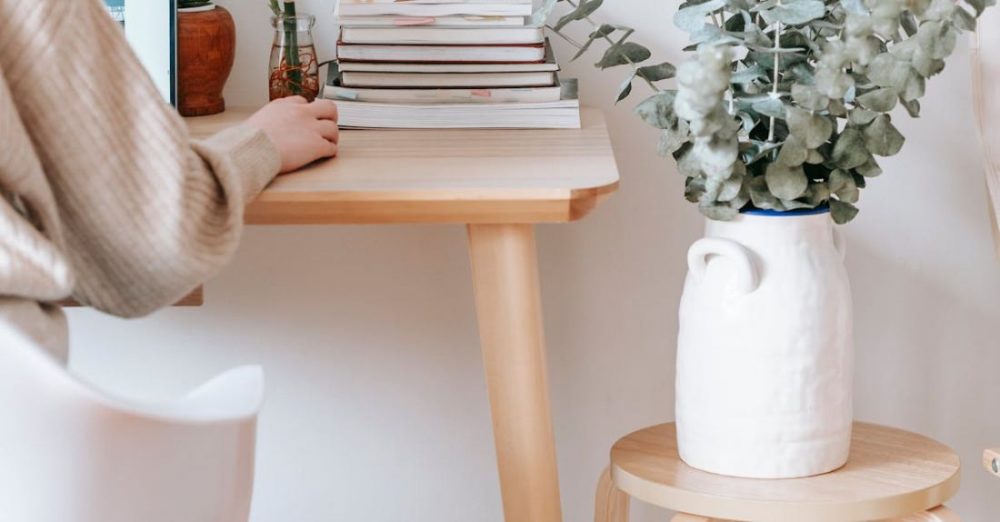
(822, 209)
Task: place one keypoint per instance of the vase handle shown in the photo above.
(746, 279)
(840, 242)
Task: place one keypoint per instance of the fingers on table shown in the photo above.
(328, 130)
(325, 110)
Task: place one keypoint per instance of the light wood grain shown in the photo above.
(991, 461)
(442, 176)
(611, 504)
(195, 298)
(941, 514)
(891, 473)
(508, 302)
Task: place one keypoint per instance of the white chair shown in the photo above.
(69, 453)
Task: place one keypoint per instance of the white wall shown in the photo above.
(377, 410)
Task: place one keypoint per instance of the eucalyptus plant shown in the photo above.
(784, 104)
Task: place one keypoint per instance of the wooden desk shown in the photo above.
(499, 184)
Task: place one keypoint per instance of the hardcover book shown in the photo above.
(440, 53)
(493, 8)
(431, 21)
(443, 35)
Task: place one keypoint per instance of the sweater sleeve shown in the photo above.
(147, 213)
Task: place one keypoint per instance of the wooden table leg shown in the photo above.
(508, 301)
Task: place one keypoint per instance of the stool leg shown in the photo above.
(941, 514)
(612, 504)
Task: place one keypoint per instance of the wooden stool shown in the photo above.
(892, 475)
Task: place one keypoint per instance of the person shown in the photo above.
(104, 197)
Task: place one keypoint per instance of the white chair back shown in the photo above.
(69, 453)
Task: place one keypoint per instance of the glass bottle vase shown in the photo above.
(294, 67)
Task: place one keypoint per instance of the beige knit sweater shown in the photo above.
(103, 196)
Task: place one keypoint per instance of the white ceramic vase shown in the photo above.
(765, 351)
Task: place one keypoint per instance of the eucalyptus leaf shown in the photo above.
(719, 212)
(812, 129)
(815, 157)
(625, 88)
(748, 74)
(963, 20)
(980, 5)
(658, 110)
(772, 107)
(623, 53)
(692, 18)
(543, 13)
(671, 140)
(842, 184)
(842, 212)
(880, 100)
(909, 23)
(925, 65)
(717, 155)
(912, 107)
(598, 34)
(914, 89)
(861, 117)
(795, 12)
(882, 138)
(854, 6)
(937, 39)
(584, 9)
(808, 97)
(850, 150)
(870, 169)
(655, 73)
(887, 70)
(817, 194)
(793, 152)
(761, 196)
(786, 182)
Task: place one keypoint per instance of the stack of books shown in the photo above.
(447, 64)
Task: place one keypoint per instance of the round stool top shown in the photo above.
(891, 473)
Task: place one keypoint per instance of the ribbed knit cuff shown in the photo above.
(252, 153)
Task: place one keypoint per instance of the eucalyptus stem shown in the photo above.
(292, 47)
(777, 70)
(612, 42)
(569, 40)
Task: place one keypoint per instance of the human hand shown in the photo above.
(303, 132)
